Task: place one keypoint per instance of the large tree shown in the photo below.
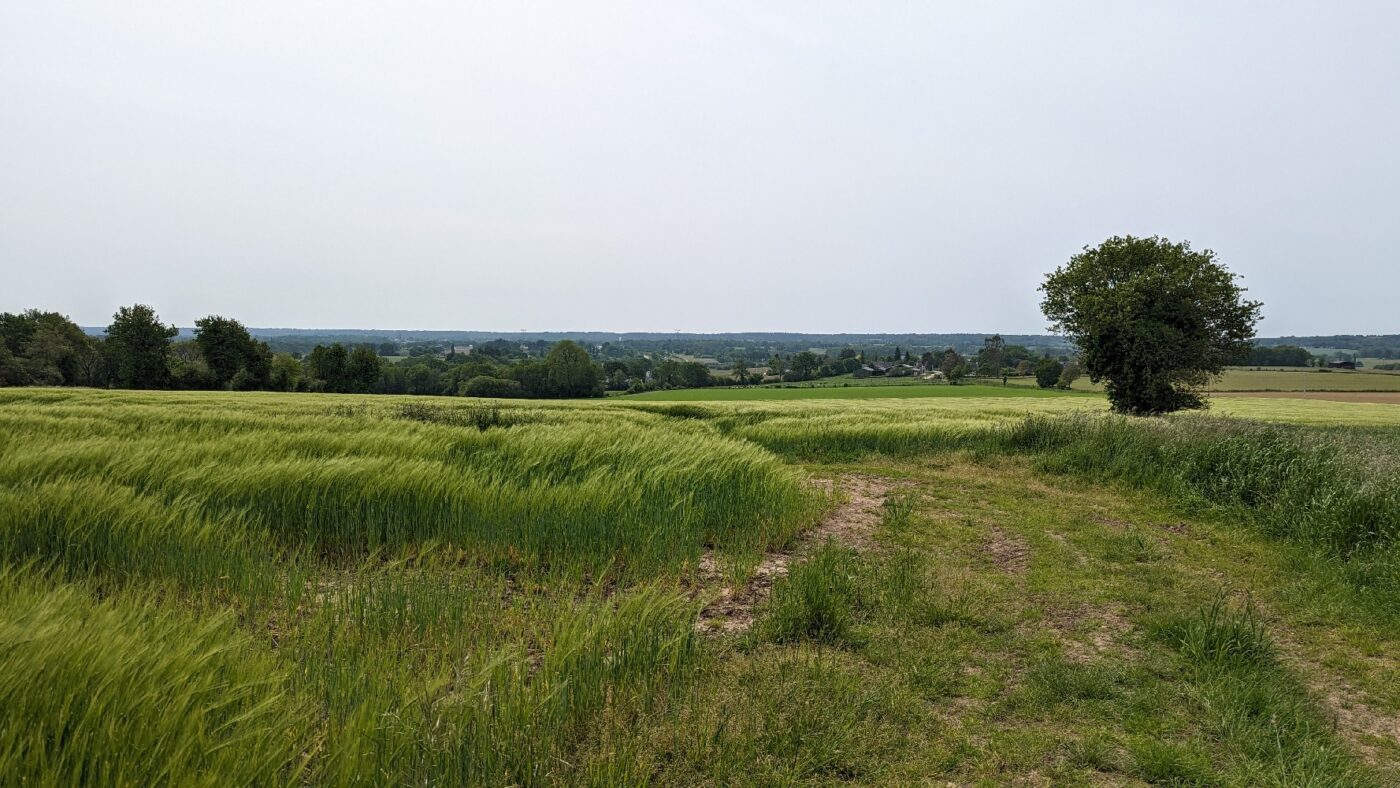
(362, 369)
(572, 372)
(805, 364)
(226, 345)
(44, 349)
(951, 363)
(329, 366)
(140, 347)
(989, 358)
(1154, 320)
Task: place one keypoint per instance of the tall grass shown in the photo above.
(816, 601)
(96, 528)
(1246, 700)
(126, 692)
(447, 711)
(1335, 489)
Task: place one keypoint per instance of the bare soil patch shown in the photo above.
(851, 524)
(1113, 523)
(1358, 722)
(1008, 551)
(1089, 632)
(1381, 397)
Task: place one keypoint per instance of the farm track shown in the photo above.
(1086, 577)
(1373, 733)
(850, 524)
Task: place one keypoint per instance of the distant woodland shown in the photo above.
(137, 350)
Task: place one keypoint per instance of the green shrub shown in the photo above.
(485, 386)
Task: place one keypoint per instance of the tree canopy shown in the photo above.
(1153, 319)
(571, 372)
(230, 351)
(1047, 372)
(140, 344)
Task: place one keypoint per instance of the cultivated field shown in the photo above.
(917, 408)
(899, 388)
(1279, 379)
(213, 588)
(1375, 397)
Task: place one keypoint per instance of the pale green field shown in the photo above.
(896, 388)
(1308, 411)
(1241, 379)
(883, 406)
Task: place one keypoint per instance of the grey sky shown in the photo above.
(698, 166)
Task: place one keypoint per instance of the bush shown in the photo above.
(483, 386)
(243, 380)
(1294, 484)
(1068, 375)
(1047, 372)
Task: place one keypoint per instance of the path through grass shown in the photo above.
(1017, 628)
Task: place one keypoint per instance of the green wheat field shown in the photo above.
(260, 589)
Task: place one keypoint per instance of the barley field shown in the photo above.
(250, 588)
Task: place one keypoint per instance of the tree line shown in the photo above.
(138, 351)
(1282, 356)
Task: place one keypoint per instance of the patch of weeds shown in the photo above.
(960, 610)
(1161, 762)
(935, 676)
(1265, 717)
(788, 716)
(1132, 547)
(348, 411)
(482, 417)
(898, 512)
(682, 411)
(903, 580)
(1249, 702)
(816, 601)
(1372, 579)
(908, 594)
(1096, 752)
(1051, 681)
(1219, 637)
(1234, 706)
(1060, 679)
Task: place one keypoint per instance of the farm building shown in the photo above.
(879, 368)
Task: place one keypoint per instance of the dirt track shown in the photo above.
(851, 524)
(1381, 397)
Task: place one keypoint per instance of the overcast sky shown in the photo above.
(706, 166)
